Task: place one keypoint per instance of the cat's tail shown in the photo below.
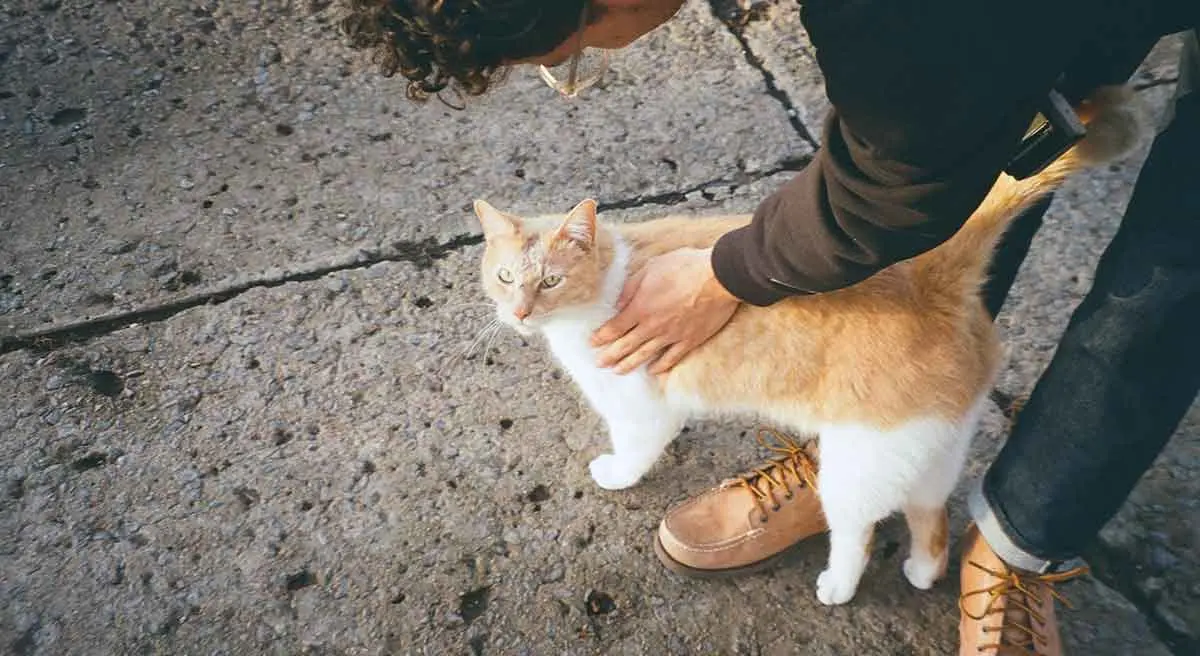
(959, 265)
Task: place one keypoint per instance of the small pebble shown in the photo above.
(336, 285)
(554, 574)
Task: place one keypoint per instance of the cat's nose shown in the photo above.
(521, 313)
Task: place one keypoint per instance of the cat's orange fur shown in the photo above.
(913, 339)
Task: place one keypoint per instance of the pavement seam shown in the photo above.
(680, 195)
(1118, 570)
(733, 17)
(423, 253)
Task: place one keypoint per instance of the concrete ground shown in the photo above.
(237, 295)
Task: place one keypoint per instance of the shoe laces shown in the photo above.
(791, 465)
(1023, 610)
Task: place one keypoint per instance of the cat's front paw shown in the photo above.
(612, 473)
(834, 590)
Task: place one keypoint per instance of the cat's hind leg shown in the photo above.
(929, 554)
(640, 430)
(858, 487)
(866, 475)
(925, 508)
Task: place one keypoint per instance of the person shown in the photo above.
(930, 100)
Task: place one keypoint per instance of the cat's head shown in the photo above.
(534, 267)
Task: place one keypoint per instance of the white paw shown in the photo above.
(833, 590)
(612, 473)
(922, 573)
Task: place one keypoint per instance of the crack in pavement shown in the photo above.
(734, 18)
(1118, 570)
(422, 253)
(678, 196)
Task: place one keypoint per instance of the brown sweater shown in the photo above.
(931, 98)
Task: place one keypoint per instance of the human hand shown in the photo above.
(670, 307)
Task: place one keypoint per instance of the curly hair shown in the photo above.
(464, 43)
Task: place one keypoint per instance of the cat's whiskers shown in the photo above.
(486, 335)
(487, 347)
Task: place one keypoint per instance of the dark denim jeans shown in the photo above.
(1126, 370)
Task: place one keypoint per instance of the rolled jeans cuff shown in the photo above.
(997, 533)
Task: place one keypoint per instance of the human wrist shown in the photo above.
(712, 285)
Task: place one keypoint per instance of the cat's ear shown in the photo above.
(580, 225)
(496, 223)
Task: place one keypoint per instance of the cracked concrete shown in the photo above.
(194, 147)
(805, 115)
(423, 253)
(251, 411)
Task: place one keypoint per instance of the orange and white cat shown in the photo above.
(892, 374)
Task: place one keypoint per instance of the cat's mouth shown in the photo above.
(524, 327)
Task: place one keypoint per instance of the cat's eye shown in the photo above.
(504, 275)
(551, 281)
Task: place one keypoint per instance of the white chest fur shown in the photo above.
(569, 333)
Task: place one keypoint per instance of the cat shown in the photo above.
(892, 373)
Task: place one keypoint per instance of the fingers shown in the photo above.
(644, 353)
(672, 357)
(618, 326)
(623, 346)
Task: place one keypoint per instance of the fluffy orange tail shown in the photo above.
(960, 264)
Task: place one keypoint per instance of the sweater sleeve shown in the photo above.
(930, 100)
